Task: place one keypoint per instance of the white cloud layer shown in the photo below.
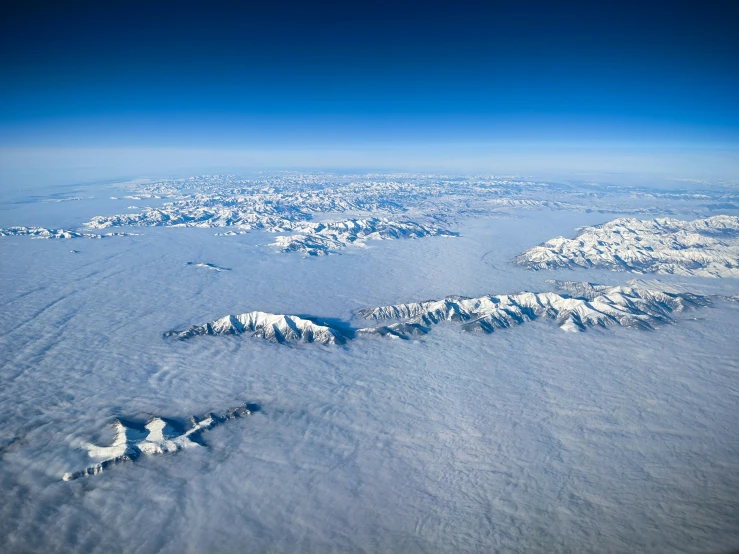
(528, 439)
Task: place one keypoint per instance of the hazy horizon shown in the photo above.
(484, 87)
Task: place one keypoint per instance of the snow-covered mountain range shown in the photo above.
(44, 233)
(707, 247)
(577, 307)
(157, 436)
(319, 239)
(281, 203)
(367, 206)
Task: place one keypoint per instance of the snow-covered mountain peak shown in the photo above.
(156, 436)
(273, 327)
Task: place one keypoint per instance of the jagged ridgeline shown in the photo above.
(320, 239)
(575, 307)
(272, 327)
(707, 247)
(44, 233)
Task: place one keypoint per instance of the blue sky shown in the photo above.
(289, 75)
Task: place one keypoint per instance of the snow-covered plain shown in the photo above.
(528, 439)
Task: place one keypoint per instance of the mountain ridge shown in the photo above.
(705, 247)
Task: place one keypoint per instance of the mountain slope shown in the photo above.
(272, 327)
(579, 306)
(157, 436)
(44, 233)
(319, 239)
(576, 307)
(707, 247)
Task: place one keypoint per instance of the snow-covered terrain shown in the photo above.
(587, 305)
(319, 239)
(156, 436)
(304, 207)
(590, 306)
(272, 327)
(43, 233)
(707, 247)
(526, 440)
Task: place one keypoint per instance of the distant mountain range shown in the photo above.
(707, 247)
(44, 233)
(319, 239)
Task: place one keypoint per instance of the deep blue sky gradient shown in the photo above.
(213, 74)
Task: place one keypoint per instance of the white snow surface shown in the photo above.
(319, 239)
(589, 306)
(272, 327)
(707, 247)
(157, 436)
(43, 233)
(634, 305)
